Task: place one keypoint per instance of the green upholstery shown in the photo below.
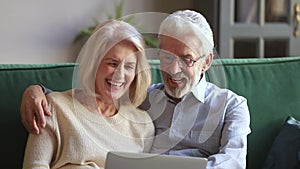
(13, 81)
(272, 89)
(270, 85)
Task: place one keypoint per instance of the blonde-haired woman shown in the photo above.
(101, 115)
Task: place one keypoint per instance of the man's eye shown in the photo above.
(168, 57)
(187, 60)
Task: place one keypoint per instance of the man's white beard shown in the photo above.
(176, 92)
(179, 93)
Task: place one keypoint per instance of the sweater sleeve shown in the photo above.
(149, 137)
(40, 149)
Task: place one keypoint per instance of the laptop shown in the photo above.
(126, 160)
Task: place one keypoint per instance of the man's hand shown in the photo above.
(34, 107)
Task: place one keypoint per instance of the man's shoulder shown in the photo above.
(230, 95)
(159, 86)
(152, 90)
(231, 101)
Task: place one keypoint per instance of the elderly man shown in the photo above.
(192, 117)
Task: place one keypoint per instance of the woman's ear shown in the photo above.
(207, 63)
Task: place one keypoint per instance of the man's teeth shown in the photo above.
(176, 79)
(116, 83)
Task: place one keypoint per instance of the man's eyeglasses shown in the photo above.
(168, 58)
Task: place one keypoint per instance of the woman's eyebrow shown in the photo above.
(111, 59)
(131, 63)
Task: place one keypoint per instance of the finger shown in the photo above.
(46, 108)
(40, 117)
(35, 128)
(30, 123)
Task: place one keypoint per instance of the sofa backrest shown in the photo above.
(13, 81)
(270, 85)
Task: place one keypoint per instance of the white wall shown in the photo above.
(42, 31)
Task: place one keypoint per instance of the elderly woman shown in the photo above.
(101, 115)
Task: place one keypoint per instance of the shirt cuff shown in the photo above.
(45, 89)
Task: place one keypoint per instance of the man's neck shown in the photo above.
(176, 100)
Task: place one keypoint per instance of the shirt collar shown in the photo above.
(199, 89)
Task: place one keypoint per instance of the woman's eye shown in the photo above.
(113, 64)
(129, 66)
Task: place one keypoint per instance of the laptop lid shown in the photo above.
(126, 160)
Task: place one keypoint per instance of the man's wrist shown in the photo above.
(44, 89)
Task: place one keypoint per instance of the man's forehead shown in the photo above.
(188, 42)
(188, 39)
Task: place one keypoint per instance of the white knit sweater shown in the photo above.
(77, 138)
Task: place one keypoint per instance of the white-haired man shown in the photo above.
(192, 117)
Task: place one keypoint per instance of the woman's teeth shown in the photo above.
(113, 83)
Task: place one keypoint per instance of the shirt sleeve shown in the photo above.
(233, 148)
(146, 103)
(45, 89)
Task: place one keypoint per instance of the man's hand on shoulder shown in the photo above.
(34, 107)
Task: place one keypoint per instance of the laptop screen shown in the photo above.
(126, 160)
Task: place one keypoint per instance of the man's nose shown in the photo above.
(175, 66)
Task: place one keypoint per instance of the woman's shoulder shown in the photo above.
(59, 96)
(60, 101)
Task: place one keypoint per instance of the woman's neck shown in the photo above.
(96, 104)
(106, 109)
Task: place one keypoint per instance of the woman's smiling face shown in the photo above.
(116, 71)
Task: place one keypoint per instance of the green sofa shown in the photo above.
(270, 85)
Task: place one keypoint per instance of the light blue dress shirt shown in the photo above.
(208, 122)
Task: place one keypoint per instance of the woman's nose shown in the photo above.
(119, 72)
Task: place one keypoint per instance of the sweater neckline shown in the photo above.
(83, 111)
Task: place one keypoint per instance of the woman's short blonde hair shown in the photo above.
(104, 37)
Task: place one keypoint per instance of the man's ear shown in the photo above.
(208, 62)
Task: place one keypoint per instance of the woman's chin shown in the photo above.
(116, 96)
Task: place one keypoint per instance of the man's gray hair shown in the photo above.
(186, 22)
